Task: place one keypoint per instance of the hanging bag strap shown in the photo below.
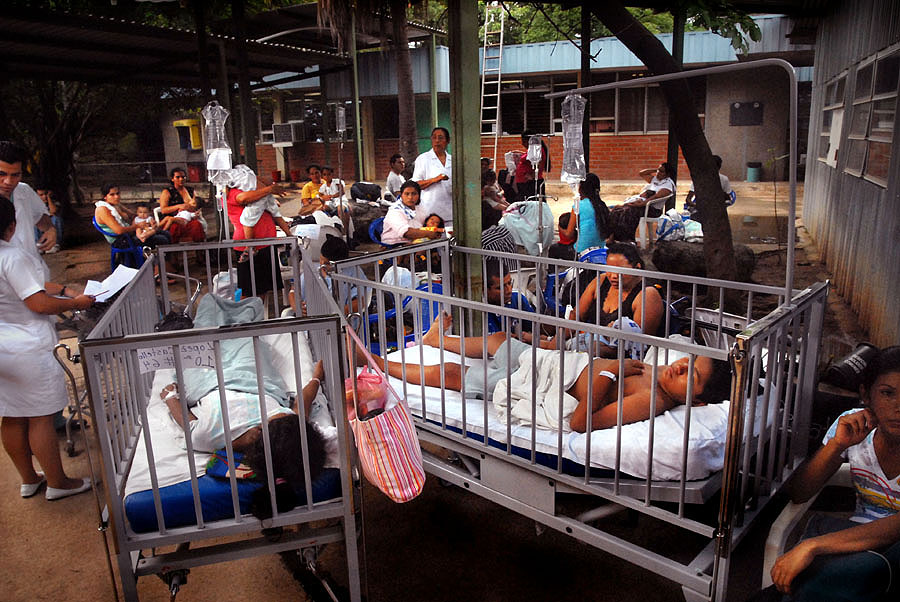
(375, 368)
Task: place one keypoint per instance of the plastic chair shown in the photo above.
(785, 526)
(594, 255)
(133, 254)
(551, 305)
(427, 310)
(644, 224)
(375, 230)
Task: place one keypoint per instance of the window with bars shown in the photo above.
(523, 106)
(873, 116)
(265, 113)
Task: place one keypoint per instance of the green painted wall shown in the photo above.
(423, 120)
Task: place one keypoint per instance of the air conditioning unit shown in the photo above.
(286, 134)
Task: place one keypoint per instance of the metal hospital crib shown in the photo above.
(537, 472)
(121, 356)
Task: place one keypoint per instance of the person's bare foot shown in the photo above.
(441, 323)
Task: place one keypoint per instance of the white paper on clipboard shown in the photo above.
(112, 284)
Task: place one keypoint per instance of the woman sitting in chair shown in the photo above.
(626, 217)
(114, 220)
(642, 311)
(400, 223)
(857, 558)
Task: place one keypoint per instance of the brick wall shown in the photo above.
(384, 148)
(612, 157)
(302, 154)
(265, 161)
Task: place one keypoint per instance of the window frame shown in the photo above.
(869, 102)
(835, 108)
(616, 117)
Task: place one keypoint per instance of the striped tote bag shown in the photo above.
(387, 444)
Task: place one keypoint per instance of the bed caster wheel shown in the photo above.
(445, 483)
(174, 580)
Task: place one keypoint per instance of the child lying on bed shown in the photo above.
(207, 431)
(711, 381)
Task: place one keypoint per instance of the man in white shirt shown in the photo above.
(433, 173)
(690, 203)
(394, 178)
(30, 209)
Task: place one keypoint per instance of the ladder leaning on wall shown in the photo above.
(491, 65)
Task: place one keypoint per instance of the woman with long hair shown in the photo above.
(591, 217)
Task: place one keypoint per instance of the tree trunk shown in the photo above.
(406, 100)
(717, 244)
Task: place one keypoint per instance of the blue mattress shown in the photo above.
(215, 500)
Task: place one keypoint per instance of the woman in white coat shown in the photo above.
(32, 388)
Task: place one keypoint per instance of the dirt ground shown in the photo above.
(445, 545)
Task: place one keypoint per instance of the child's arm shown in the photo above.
(812, 474)
(282, 223)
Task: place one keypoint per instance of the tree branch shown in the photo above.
(560, 31)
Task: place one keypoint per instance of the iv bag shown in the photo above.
(573, 167)
(217, 150)
(340, 118)
(534, 149)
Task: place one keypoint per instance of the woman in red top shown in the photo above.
(243, 191)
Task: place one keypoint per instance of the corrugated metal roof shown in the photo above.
(700, 48)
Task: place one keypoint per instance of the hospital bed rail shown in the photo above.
(120, 357)
(774, 371)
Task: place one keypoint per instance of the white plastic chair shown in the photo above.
(644, 232)
(790, 519)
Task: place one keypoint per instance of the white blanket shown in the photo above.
(706, 442)
(540, 382)
(169, 455)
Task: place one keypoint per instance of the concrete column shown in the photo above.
(361, 170)
(465, 116)
(278, 117)
(434, 90)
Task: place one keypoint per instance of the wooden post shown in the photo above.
(202, 49)
(248, 125)
(585, 82)
(357, 122)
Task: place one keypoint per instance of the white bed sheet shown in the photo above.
(166, 437)
(708, 428)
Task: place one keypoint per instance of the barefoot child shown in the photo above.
(146, 226)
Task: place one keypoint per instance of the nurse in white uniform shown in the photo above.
(32, 388)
